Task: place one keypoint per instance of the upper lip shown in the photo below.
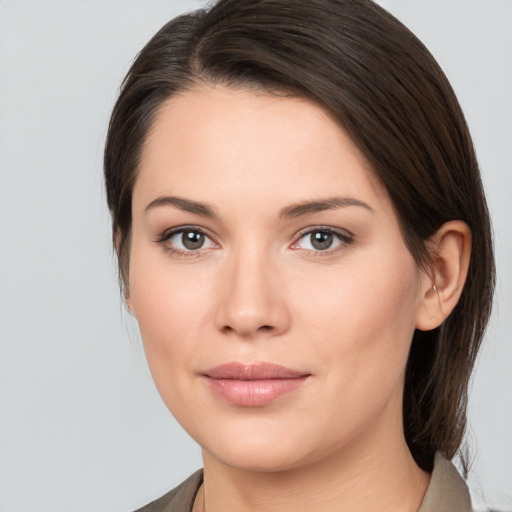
(253, 371)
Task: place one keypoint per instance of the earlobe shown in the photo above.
(450, 251)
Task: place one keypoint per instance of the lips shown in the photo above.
(253, 385)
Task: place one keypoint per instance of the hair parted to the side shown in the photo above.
(389, 94)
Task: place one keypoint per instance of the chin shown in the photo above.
(263, 449)
(264, 459)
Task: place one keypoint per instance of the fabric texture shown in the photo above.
(180, 499)
(447, 492)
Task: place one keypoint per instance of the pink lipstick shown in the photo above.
(253, 385)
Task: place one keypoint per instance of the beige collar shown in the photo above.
(447, 491)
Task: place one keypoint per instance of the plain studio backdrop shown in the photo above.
(82, 428)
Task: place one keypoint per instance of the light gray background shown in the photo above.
(81, 425)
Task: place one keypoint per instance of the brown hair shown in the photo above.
(370, 72)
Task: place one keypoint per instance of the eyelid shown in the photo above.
(346, 237)
(167, 234)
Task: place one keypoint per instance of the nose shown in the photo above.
(252, 297)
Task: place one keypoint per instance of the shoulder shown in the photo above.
(447, 491)
(180, 499)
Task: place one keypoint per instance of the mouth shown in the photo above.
(253, 385)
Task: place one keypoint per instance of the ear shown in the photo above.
(450, 251)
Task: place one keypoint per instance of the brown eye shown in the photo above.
(321, 240)
(186, 240)
(192, 240)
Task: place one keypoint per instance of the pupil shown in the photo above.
(192, 240)
(321, 240)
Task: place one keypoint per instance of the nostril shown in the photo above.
(263, 328)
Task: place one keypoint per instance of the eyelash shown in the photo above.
(343, 236)
(167, 235)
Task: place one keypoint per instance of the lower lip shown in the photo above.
(253, 393)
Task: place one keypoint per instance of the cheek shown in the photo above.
(171, 306)
(365, 311)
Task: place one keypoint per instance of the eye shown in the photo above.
(322, 240)
(186, 240)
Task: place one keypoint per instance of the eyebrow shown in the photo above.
(330, 203)
(186, 205)
(292, 211)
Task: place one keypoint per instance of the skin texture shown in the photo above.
(257, 291)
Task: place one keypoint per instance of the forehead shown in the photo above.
(213, 140)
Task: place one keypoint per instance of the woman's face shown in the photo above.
(274, 293)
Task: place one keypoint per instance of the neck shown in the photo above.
(369, 473)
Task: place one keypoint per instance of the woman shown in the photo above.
(303, 238)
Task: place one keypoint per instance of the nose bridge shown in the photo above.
(253, 300)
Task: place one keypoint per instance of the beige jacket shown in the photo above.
(446, 492)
